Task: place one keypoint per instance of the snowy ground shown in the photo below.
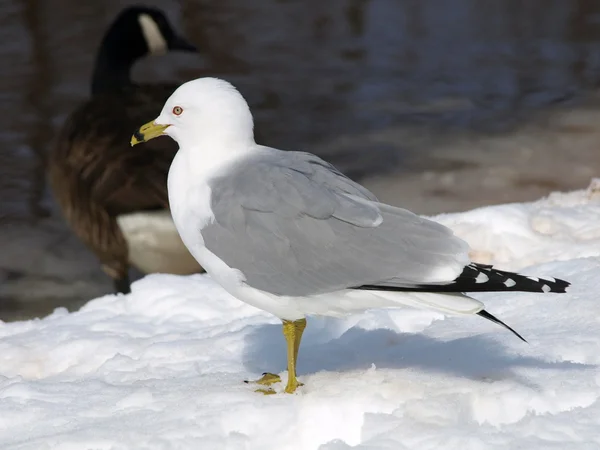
(163, 367)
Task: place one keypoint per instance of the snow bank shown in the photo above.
(561, 227)
(162, 368)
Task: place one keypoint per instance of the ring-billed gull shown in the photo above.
(288, 233)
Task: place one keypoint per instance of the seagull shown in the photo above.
(288, 233)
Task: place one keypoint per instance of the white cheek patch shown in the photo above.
(154, 38)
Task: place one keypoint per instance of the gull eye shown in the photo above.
(177, 110)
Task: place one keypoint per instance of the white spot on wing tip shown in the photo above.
(546, 288)
(154, 39)
(509, 282)
(482, 278)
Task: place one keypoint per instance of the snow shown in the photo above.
(162, 368)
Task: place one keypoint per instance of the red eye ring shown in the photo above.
(177, 110)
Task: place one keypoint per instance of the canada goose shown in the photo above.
(110, 193)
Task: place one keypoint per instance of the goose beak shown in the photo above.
(147, 132)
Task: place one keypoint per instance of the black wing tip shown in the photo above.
(477, 277)
(556, 285)
(561, 286)
(486, 315)
(513, 281)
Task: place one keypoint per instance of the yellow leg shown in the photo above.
(300, 325)
(292, 331)
(293, 335)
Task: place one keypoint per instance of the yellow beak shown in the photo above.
(147, 132)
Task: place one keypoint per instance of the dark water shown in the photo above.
(313, 72)
(320, 76)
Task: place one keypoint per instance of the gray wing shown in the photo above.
(294, 225)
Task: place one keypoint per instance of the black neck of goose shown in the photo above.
(115, 59)
(110, 75)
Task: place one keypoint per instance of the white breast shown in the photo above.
(189, 199)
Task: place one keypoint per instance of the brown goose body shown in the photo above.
(98, 179)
